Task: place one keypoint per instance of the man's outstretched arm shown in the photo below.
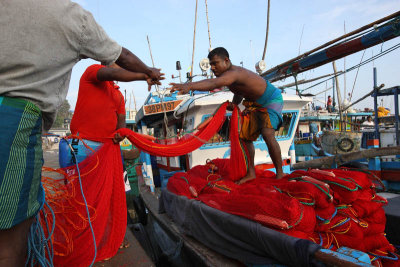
(205, 85)
(122, 75)
(131, 62)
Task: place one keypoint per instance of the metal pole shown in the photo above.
(376, 121)
(396, 114)
(333, 93)
(338, 98)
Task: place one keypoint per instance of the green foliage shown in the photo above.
(63, 113)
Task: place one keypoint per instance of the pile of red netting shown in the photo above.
(333, 208)
(103, 187)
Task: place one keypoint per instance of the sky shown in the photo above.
(240, 26)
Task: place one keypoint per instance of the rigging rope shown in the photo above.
(358, 65)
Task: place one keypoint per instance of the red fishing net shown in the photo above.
(183, 145)
(192, 141)
(103, 187)
(333, 208)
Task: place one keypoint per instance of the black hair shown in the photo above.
(219, 51)
(369, 116)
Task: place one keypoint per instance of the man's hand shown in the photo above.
(118, 138)
(155, 74)
(183, 88)
(230, 106)
(245, 112)
(151, 82)
(155, 79)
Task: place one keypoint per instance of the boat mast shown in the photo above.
(194, 41)
(266, 33)
(209, 35)
(338, 96)
(208, 25)
(344, 66)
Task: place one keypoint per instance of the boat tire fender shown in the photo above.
(342, 144)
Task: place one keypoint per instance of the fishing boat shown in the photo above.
(188, 231)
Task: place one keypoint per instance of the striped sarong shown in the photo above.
(265, 112)
(21, 160)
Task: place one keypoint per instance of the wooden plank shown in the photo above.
(327, 162)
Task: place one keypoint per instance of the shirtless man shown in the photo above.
(263, 102)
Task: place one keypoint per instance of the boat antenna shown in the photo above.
(301, 37)
(134, 101)
(129, 106)
(266, 32)
(194, 41)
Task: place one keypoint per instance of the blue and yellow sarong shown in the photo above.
(21, 160)
(265, 112)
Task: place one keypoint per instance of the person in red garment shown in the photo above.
(100, 108)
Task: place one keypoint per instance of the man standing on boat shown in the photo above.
(329, 106)
(262, 100)
(40, 42)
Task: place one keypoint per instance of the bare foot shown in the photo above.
(280, 175)
(245, 179)
(125, 244)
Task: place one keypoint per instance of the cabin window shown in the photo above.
(288, 120)
(222, 136)
(285, 131)
(158, 132)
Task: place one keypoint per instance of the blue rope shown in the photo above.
(38, 244)
(394, 258)
(327, 220)
(86, 206)
(320, 238)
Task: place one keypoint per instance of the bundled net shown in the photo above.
(177, 147)
(333, 208)
(191, 141)
(100, 178)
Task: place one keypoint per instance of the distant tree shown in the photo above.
(63, 113)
